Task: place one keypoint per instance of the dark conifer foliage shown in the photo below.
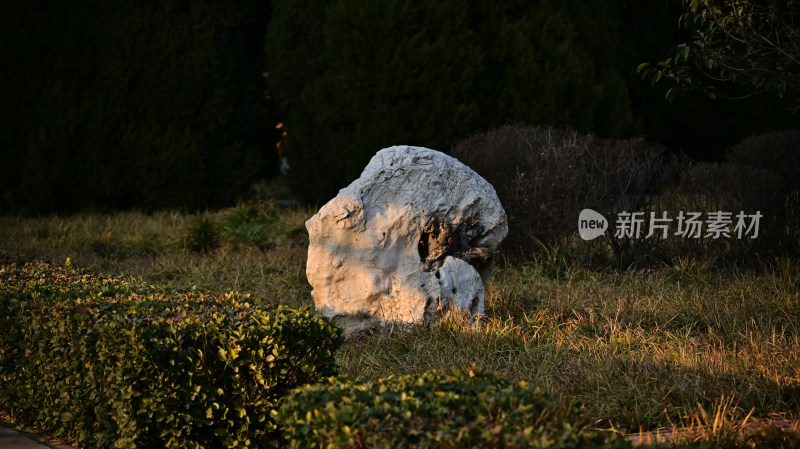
(152, 105)
(353, 77)
(129, 104)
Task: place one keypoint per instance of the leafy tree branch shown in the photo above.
(739, 48)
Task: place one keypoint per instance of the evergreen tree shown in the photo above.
(132, 104)
(356, 77)
(368, 75)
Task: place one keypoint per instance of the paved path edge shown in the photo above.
(11, 438)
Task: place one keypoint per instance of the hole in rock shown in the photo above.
(422, 247)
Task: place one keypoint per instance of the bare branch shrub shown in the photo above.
(762, 173)
(545, 177)
(779, 153)
(725, 187)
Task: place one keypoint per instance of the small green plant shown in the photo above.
(554, 262)
(249, 223)
(201, 236)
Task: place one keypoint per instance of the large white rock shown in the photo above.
(407, 242)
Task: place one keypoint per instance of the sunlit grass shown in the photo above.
(153, 247)
(640, 349)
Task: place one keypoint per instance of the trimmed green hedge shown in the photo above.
(434, 410)
(113, 362)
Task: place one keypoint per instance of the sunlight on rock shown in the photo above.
(409, 241)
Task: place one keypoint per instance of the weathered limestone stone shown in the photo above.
(409, 241)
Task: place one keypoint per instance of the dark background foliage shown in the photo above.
(544, 177)
(128, 104)
(173, 104)
(360, 78)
